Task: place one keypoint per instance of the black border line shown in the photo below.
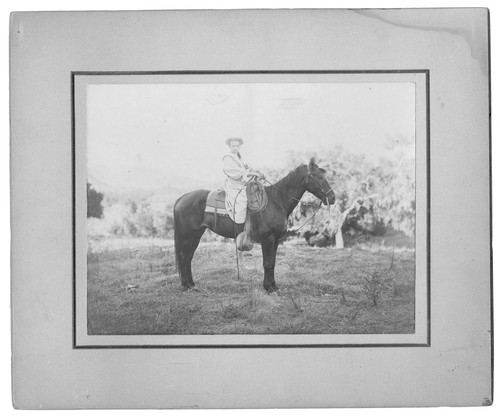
(491, 208)
(250, 346)
(259, 346)
(216, 72)
(73, 204)
(428, 157)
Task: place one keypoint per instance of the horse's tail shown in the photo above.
(177, 238)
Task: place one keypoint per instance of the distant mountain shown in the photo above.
(145, 184)
(131, 179)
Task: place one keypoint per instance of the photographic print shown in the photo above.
(275, 206)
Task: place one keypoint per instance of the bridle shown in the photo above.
(309, 174)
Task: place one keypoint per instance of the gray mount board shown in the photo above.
(451, 362)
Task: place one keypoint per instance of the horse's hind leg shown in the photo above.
(189, 246)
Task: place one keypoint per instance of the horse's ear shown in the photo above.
(312, 163)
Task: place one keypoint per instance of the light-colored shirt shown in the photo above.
(235, 169)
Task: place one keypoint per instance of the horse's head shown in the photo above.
(317, 184)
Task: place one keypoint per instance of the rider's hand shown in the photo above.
(257, 174)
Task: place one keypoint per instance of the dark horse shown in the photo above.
(191, 221)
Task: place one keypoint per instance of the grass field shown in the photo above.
(134, 289)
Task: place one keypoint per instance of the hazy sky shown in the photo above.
(150, 135)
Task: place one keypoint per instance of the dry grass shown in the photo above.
(324, 291)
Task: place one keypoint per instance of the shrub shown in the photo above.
(94, 202)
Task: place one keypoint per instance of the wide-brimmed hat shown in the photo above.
(228, 141)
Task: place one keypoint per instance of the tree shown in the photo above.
(347, 175)
(394, 183)
(370, 196)
(94, 203)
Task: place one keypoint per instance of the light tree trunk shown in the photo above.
(339, 239)
(341, 217)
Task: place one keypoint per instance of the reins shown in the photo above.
(303, 202)
(235, 241)
(295, 199)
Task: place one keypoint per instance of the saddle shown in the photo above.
(216, 203)
(256, 201)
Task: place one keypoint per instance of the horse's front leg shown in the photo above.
(269, 248)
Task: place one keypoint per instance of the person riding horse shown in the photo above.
(191, 219)
(238, 175)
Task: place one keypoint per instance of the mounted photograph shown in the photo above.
(266, 208)
(251, 208)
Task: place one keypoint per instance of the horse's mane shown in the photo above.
(287, 182)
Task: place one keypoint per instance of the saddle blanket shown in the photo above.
(216, 203)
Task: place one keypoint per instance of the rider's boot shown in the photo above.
(243, 242)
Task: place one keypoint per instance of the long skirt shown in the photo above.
(236, 200)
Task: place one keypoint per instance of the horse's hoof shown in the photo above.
(272, 289)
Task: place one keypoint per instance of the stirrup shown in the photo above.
(243, 243)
